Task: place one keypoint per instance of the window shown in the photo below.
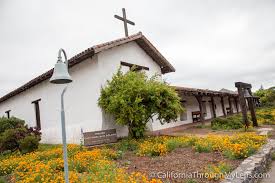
(37, 113)
(183, 115)
(8, 113)
(137, 67)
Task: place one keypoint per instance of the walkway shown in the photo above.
(271, 173)
(173, 130)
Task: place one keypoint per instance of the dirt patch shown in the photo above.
(182, 160)
(200, 130)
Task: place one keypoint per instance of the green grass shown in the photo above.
(229, 123)
(42, 147)
(46, 147)
(191, 181)
(249, 129)
(3, 180)
(203, 126)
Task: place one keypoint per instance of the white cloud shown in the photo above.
(211, 43)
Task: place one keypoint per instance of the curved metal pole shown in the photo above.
(66, 169)
(61, 50)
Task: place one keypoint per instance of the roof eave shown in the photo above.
(166, 67)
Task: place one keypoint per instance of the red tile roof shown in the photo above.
(139, 38)
(203, 92)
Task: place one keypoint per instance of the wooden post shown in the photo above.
(8, 113)
(243, 106)
(223, 109)
(199, 99)
(236, 104)
(230, 105)
(252, 110)
(213, 106)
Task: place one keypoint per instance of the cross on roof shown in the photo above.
(124, 19)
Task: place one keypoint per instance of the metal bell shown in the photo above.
(60, 72)
(247, 94)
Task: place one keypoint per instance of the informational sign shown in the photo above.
(100, 137)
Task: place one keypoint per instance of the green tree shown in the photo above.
(267, 97)
(134, 99)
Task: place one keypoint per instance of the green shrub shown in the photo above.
(10, 123)
(267, 97)
(202, 148)
(217, 172)
(173, 144)
(134, 99)
(28, 144)
(9, 139)
(231, 122)
(14, 133)
(2, 180)
(127, 144)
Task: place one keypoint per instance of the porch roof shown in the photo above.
(202, 92)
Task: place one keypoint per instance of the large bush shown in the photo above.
(231, 122)
(133, 100)
(10, 123)
(28, 144)
(267, 97)
(15, 135)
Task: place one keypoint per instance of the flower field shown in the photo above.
(85, 166)
(266, 116)
(99, 164)
(237, 146)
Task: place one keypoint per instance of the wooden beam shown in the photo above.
(8, 113)
(36, 101)
(236, 104)
(223, 109)
(213, 107)
(230, 105)
(242, 85)
(122, 19)
(200, 102)
(137, 67)
(243, 106)
(199, 99)
(252, 110)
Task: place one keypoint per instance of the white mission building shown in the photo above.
(38, 101)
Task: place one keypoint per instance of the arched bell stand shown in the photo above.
(246, 102)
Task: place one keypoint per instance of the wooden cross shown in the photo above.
(124, 19)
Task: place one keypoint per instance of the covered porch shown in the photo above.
(200, 106)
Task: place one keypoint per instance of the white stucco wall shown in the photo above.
(81, 97)
(80, 104)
